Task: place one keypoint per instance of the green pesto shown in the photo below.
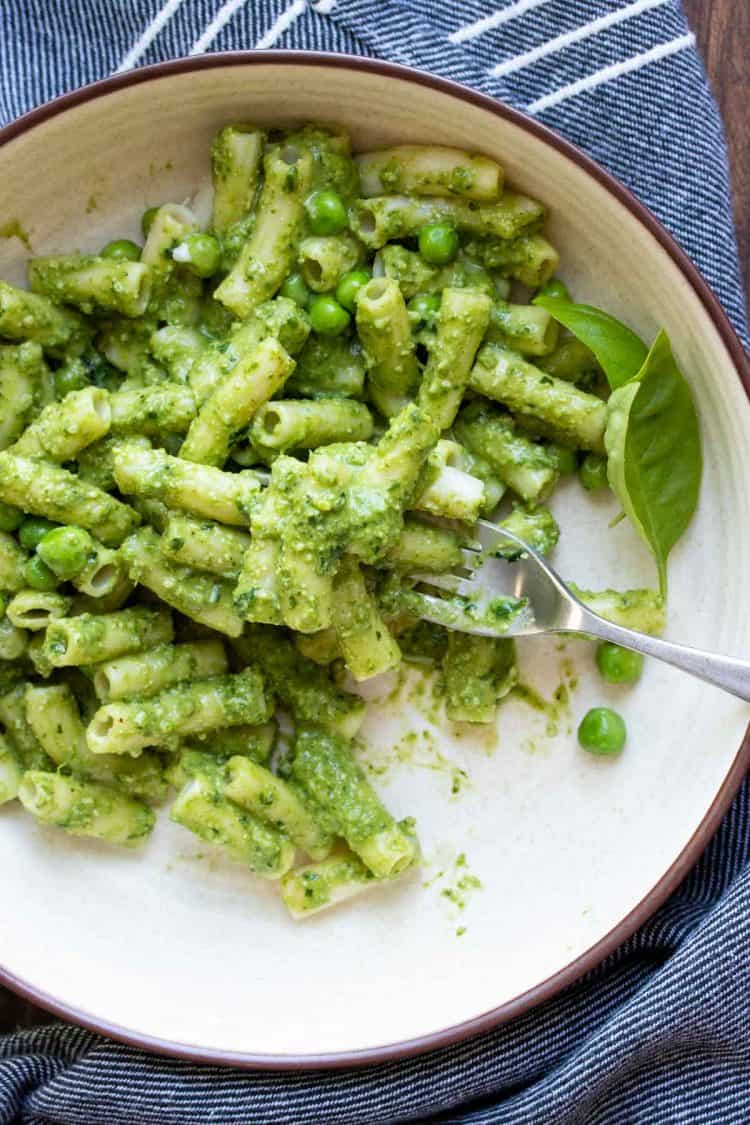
(639, 609)
(277, 802)
(465, 884)
(22, 374)
(202, 490)
(321, 647)
(268, 255)
(85, 808)
(299, 684)
(13, 229)
(177, 347)
(202, 808)
(424, 547)
(463, 319)
(456, 612)
(18, 731)
(384, 330)
(328, 365)
(13, 640)
(333, 168)
(248, 741)
(11, 771)
(89, 638)
(204, 544)
(530, 258)
(556, 710)
(361, 309)
(573, 361)
(524, 465)
(315, 519)
(366, 643)
(536, 526)
(324, 767)
(413, 274)
(477, 671)
(155, 668)
(52, 713)
(127, 727)
(386, 218)
(306, 890)
(152, 410)
(66, 427)
(523, 328)
(47, 490)
(205, 598)
(281, 425)
(424, 643)
(93, 283)
(35, 318)
(12, 563)
(232, 404)
(430, 170)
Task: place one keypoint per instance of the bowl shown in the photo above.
(539, 859)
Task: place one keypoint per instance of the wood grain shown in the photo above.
(722, 28)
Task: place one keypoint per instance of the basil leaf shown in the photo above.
(619, 351)
(654, 452)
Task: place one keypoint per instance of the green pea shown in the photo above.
(555, 288)
(147, 220)
(200, 253)
(70, 377)
(602, 731)
(10, 518)
(349, 286)
(567, 462)
(593, 472)
(438, 243)
(326, 213)
(295, 289)
(122, 250)
(618, 665)
(38, 575)
(65, 550)
(327, 316)
(424, 309)
(33, 530)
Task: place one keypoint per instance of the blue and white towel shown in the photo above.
(660, 1033)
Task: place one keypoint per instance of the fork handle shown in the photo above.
(725, 672)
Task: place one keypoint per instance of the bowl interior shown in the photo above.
(175, 944)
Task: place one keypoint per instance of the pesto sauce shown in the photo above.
(556, 709)
(460, 886)
(13, 229)
(415, 749)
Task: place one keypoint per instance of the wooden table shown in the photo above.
(723, 31)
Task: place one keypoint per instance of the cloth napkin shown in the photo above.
(660, 1033)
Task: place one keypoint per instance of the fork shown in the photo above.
(543, 603)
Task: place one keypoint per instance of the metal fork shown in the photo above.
(547, 605)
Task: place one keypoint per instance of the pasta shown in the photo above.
(225, 457)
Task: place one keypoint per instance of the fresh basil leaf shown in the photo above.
(654, 452)
(619, 351)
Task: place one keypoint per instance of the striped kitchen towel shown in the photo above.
(660, 1033)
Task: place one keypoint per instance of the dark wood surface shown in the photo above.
(722, 28)
(723, 31)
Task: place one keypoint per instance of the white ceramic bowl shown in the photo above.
(189, 955)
